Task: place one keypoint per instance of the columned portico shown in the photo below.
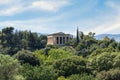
(62, 40)
(59, 38)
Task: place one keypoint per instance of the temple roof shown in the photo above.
(59, 33)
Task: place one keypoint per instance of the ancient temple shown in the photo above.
(59, 38)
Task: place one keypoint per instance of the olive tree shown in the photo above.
(9, 67)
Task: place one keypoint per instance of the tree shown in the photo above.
(118, 46)
(49, 56)
(19, 77)
(25, 56)
(38, 72)
(55, 54)
(43, 40)
(113, 44)
(40, 55)
(106, 38)
(61, 78)
(77, 38)
(112, 74)
(91, 34)
(69, 66)
(11, 42)
(81, 35)
(8, 36)
(16, 42)
(116, 61)
(83, 76)
(9, 67)
(81, 46)
(32, 40)
(103, 61)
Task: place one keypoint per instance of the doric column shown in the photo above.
(62, 40)
(58, 40)
(55, 40)
(65, 39)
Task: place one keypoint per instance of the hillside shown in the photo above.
(115, 36)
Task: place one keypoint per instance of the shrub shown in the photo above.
(38, 72)
(9, 67)
(25, 56)
(103, 61)
(68, 66)
(83, 76)
(113, 74)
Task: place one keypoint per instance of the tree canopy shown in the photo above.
(25, 56)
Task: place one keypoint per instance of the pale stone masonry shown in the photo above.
(59, 38)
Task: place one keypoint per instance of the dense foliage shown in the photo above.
(9, 67)
(12, 41)
(25, 56)
(69, 66)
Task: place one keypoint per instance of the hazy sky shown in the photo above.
(48, 16)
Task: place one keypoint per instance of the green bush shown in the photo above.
(113, 74)
(116, 61)
(61, 78)
(9, 67)
(38, 72)
(19, 77)
(55, 54)
(103, 61)
(83, 76)
(52, 56)
(25, 56)
(69, 66)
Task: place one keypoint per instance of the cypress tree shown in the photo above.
(77, 39)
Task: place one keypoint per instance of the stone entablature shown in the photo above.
(58, 38)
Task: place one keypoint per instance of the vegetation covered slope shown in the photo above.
(25, 56)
